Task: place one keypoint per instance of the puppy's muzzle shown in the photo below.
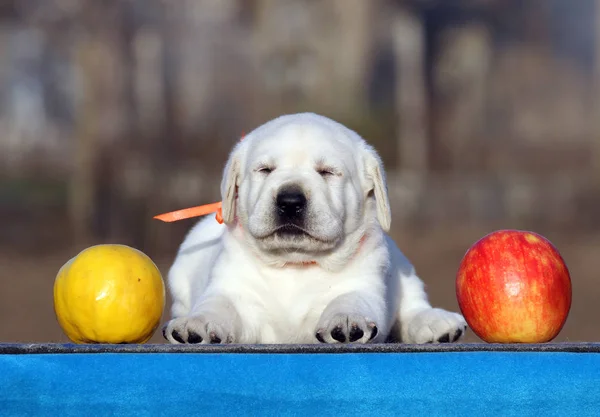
(291, 205)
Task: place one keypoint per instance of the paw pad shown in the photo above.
(177, 336)
(356, 332)
(194, 337)
(338, 334)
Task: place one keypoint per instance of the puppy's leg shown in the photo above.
(189, 275)
(350, 318)
(421, 323)
(213, 320)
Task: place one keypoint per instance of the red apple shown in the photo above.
(514, 287)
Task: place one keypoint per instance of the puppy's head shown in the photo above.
(297, 188)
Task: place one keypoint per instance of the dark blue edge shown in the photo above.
(58, 348)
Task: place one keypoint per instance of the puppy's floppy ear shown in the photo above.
(376, 185)
(229, 185)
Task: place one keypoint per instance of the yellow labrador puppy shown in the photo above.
(303, 255)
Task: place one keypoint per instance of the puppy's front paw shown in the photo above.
(434, 325)
(342, 328)
(197, 329)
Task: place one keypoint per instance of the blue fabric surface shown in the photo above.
(381, 384)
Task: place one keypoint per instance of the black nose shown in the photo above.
(291, 202)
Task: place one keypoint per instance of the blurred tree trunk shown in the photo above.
(596, 89)
(459, 79)
(125, 207)
(354, 40)
(102, 120)
(82, 186)
(411, 91)
(166, 143)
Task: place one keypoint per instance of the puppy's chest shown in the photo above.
(294, 293)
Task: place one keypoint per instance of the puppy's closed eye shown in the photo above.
(265, 169)
(327, 172)
(324, 172)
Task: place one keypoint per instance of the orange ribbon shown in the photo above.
(187, 213)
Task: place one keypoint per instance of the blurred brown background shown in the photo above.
(486, 113)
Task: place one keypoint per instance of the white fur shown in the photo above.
(242, 282)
